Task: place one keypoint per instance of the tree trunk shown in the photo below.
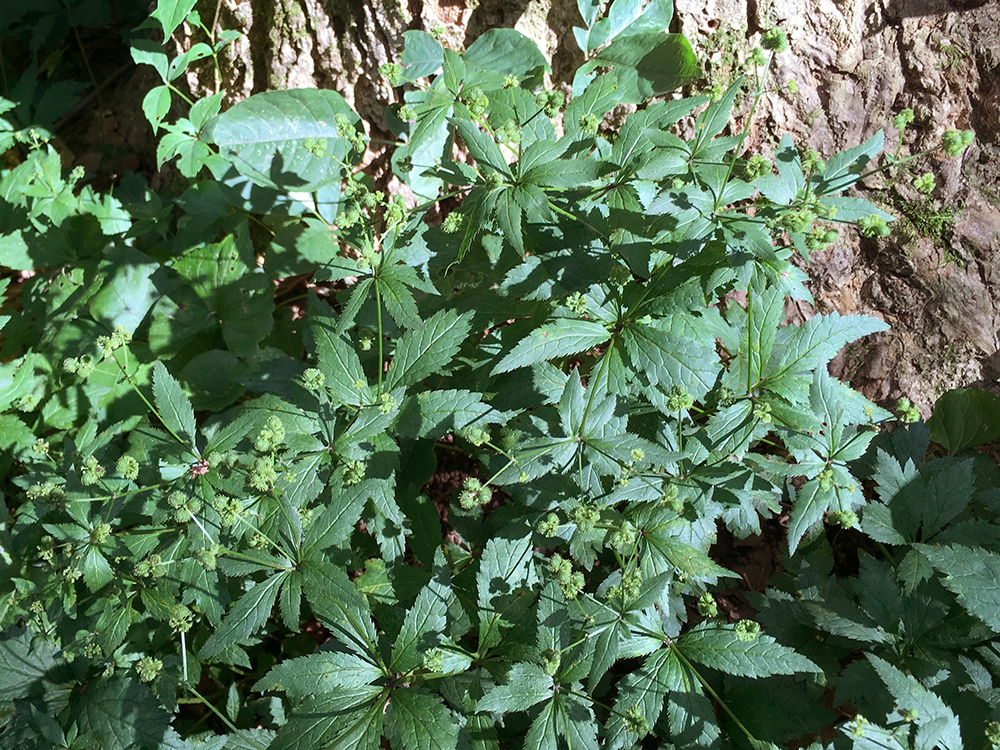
(936, 279)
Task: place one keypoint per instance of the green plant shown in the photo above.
(202, 475)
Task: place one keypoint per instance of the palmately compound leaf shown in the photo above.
(246, 616)
(172, 405)
(527, 684)
(973, 575)
(721, 647)
(560, 338)
(428, 350)
(417, 720)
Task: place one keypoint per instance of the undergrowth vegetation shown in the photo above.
(215, 532)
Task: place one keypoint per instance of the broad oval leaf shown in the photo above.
(264, 138)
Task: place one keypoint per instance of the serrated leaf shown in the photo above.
(340, 719)
(802, 349)
(246, 616)
(129, 291)
(318, 673)
(171, 13)
(667, 359)
(437, 413)
(122, 712)
(973, 575)
(506, 571)
(425, 621)
(719, 647)
(339, 605)
(427, 350)
(417, 720)
(646, 688)
(811, 502)
(938, 727)
(844, 169)
(658, 63)
(527, 684)
(172, 405)
(97, 572)
(339, 518)
(560, 338)
(24, 662)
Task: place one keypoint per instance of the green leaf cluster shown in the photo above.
(217, 525)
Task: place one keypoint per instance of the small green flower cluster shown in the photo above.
(585, 517)
(956, 141)
(230, 509)
(756, 167)
(678, 399)
(346, 129)
(433, 660)
(207, 556)
(548, 526)
(315, 146)
(108, 344)
(845, 519)
(476, 435)
(508, 134)
(100, 534)
(550, 101)
(623, 538)
(392, 72)
(747, 630)
(707, 606)
(271, 436)
(873, 226)
(127, 467)
(185, 508)
(354, 472)
(387, 404)
(576, 303)
(775, 39)
(571, 582)
(151, 566)
(477, 102)
(908, 413)
(628, 588)
(589, 124)
(635, 721)
(474, 494)
(312, 380)
(263, 475)
(148, 668)
(48, 491)
(91, 471)
(83, 365)
(452, 222)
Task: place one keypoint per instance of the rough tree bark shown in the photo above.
(856, 64)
